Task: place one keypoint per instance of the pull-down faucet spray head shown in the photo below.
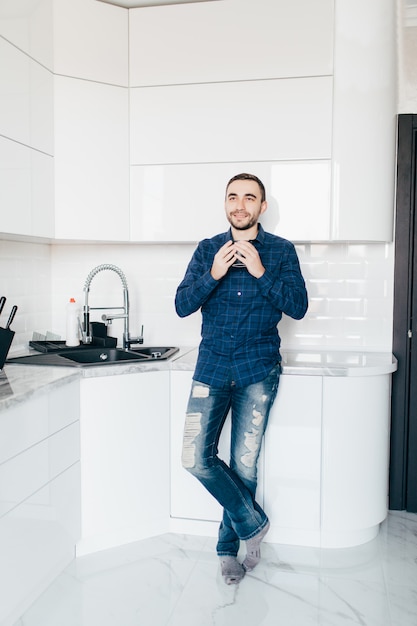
(86, 336)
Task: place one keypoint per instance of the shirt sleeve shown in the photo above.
(286, 290)
(196, 286)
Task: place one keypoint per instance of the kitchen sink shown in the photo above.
(92, 356)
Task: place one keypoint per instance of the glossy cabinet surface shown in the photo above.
(91, 161)
(355, 469)
(39, 495)
(293, 459)
(276, 119)
(364, 120)
(186, 202)
(310, 94)
(324, 468)
(124, 459)
(231, 40)
(26, 144)
(91, 41)
(28, 26)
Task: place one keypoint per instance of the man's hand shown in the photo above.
(223, 260)
(248, 254)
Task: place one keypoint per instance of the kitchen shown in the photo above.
(99, 197)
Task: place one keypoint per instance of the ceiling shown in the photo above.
(134, 4)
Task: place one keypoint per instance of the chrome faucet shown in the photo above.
(86, 336)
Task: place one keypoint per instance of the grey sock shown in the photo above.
(253, 550)
(232, 570)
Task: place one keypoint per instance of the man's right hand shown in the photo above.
(223, 259)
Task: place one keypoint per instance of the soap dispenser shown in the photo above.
(72, 334)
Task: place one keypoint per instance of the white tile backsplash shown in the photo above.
(350, 288)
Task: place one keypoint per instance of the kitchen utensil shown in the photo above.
(6, 336)
(11, 316)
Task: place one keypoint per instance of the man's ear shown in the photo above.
(264, 206)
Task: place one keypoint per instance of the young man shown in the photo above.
(243, 281)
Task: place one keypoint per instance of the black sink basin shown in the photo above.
(101, 355)
(92, 356)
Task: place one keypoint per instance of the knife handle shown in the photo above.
(11, 316)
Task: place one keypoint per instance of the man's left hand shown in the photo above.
(248, 254)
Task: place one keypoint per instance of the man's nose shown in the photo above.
(240, 206)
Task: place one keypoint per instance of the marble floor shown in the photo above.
(174, 580)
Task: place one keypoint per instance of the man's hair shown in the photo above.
(245, 176)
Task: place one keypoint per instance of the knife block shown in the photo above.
(6, 338)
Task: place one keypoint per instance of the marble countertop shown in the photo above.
(19, 382)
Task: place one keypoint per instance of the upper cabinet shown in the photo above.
(91, 161)
(227, 41)
(247, 88)
(26, 119)
(364, 120)
(118, 135)
(91, 41)
(289, 91)
(91, 121)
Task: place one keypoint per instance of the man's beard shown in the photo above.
(242, 225)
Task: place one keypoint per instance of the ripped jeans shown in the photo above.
(234, 486)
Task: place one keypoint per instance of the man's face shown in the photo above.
(243, 204)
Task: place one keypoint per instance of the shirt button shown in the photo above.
(239, 293)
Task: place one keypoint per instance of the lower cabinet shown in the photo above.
(39, 495)
(293, 461)
(324, 468)
(124, 459)
(288, 467)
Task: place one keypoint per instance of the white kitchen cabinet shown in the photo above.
(364, 117)
(91, 41)
(124, 459)
(26, 145)
(233, 40)
(26, 105)
(39, 495)
(298, 194)
(324, 468)
(356, 433)
(202, 123)
(91, 161)
(293, 460)
(29, 27)
(289, 466)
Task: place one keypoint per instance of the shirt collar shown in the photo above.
(260, 237)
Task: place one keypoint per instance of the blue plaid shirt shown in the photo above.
(240, 340)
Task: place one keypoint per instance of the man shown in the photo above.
(243, 281)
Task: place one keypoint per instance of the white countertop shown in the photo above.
(19, 382)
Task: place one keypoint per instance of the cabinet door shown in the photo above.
(26, 145)
(293, 458)
(189, 499)
(298, 194)
(286, 39)
(91, 41)
(356, 416)
(91, 161)
(124, 458)
(364, 120)
(201, 123)
(39, 495)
